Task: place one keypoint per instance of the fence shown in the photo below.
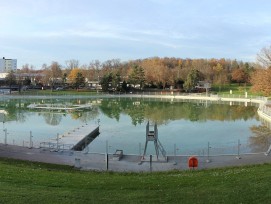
(110, 158)
(266, 109)
(208, 158)
(29, 139)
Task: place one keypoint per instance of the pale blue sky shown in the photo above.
(42, 31)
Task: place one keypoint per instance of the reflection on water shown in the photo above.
(53, 119)
(190, 125)
(261, 139)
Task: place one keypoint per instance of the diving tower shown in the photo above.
(152, 136)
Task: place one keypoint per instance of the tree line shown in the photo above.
(156, 72)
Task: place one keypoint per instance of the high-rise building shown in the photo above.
(7, 65)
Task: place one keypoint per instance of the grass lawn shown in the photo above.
(27, 182)
(220, 89)
(236, 89)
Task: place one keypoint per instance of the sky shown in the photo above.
(41, 31)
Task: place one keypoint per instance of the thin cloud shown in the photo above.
(122, 28)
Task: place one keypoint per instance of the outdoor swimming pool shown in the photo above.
(188, 126)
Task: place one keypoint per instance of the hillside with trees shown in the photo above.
(154, 72)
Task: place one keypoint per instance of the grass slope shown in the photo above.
(27, 182)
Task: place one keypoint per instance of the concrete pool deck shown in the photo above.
(128, 163)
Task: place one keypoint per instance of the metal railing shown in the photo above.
(52, 146)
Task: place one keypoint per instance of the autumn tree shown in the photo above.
(218, 72)
(264, 57)
(239, 76)
(148, 66)
(201, 65)
(76, 78)
(261, 80)
(220, 75)
(157, 72)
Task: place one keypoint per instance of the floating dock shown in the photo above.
(60, 106)
(76, 139)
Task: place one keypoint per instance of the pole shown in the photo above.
(106, 162)
(57, 141)
(86, 147)
(106, 155)
(6, 135)
(238, 150)
(175, 162)
(106, 146)
(150, 163)
(30, 140)
(208, 153)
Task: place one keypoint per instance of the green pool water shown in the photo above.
(187, 125)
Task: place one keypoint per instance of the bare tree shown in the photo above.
(56, 70)
(72, 64)
(264, 57)
(94, 69)
(52, 74)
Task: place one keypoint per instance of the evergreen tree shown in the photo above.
(137, 76)
(79, 80)
(105, 81)
(192, 79)
(116, 81)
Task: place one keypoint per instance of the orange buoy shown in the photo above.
(193, 162)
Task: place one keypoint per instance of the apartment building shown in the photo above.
(7, 65)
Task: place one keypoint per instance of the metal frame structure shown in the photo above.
(152, 135)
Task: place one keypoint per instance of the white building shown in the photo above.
(7, 65)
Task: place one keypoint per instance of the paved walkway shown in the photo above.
(129, 163)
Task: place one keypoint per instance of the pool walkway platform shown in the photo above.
(76, 139)
(128, 163)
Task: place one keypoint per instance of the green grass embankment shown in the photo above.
(235, 88)
(216, 88)
(27, 182)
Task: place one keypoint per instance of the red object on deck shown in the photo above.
(193, 162)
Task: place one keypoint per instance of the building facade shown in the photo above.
(7, 65)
